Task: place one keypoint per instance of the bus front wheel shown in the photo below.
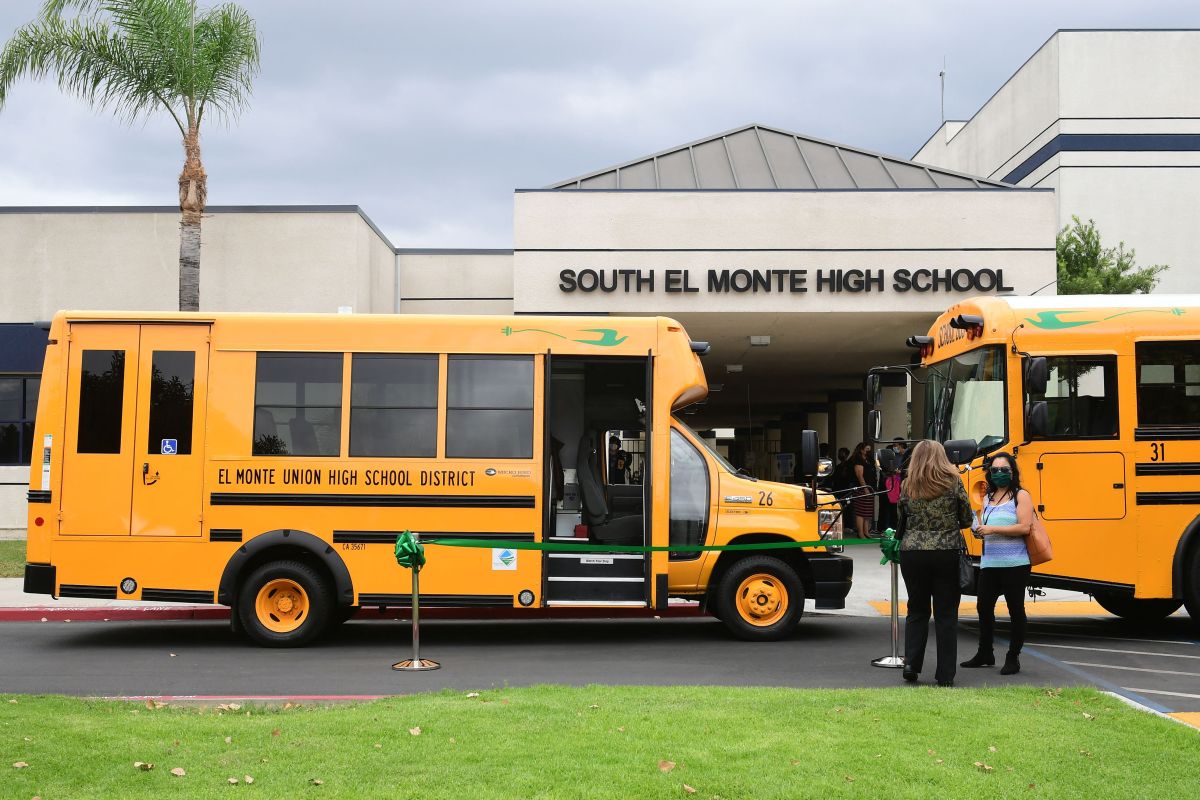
(761, 599)
(285, 604)
(1137, 609)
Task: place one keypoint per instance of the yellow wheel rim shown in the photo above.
(762, 599)
(281, 605)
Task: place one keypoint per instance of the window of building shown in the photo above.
(101, 400)
(172, 383)
(689, 497)
(18, 408)
(298, 404)
(1081, 397)
(393, 406)
(1168, 383)
(489, 408)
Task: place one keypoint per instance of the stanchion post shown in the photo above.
(895, 660)
(416, 663)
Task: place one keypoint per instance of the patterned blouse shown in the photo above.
(936, 524)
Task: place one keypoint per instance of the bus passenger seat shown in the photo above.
(602, 528)
(304, 437)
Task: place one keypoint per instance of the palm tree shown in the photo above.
(140, 57)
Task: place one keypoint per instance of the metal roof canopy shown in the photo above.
(757, 157)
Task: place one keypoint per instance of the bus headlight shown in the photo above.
(829, 525)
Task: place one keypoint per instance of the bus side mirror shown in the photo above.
(874, 425)
(961, 451)
(810, 453)
(871, 389)
(1037, 419)
(1037, 375)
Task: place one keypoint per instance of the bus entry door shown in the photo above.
(168, 456)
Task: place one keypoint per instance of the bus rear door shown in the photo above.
(135, 430)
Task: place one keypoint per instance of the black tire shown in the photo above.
(318, 601)
(1137, 610)
(781, 581)
(1191, 585)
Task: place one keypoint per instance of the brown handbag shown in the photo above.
(1038, 543)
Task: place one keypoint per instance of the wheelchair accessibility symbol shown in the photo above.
(169, 447)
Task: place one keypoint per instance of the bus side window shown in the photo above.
(1081, 397)
(489, 407)
(1168, 383)
(298, 404)
(393, 405)
(101, 397)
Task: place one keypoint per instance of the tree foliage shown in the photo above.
(1085, 266)
(135, 57)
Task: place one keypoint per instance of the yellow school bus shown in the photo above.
(268, 463)
(1098, 397)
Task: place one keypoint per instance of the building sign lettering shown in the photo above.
(783, 281)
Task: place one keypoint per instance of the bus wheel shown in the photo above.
(1135, 609)
(761, 599)
(285, 604)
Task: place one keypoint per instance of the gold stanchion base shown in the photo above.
(416, 665)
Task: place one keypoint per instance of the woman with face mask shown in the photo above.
(1004, 569)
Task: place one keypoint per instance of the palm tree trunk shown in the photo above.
(193, 192)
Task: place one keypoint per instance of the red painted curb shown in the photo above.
(152, 613)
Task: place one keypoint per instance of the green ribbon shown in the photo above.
(890, 546)
(409, 552)
(571, 547)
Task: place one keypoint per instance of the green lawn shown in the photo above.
(12, 558)
(608, 742)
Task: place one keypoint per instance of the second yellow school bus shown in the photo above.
(1098, 398)
(268, 463)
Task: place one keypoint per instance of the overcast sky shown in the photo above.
(429, 114)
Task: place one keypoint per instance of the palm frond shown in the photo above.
(90, 61)
(227, 59)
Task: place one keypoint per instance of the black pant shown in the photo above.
(1010, 582)
(931, 576)
(888, 517)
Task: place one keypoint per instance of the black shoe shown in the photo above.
(910, 675)
(1012, 665)
(980, 660)
(945, 683)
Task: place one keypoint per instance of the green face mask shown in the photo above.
(1002, 479)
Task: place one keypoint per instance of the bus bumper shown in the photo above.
(39, 579)
(832, 578)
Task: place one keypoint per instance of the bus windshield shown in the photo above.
(707, 446)
(964, 398)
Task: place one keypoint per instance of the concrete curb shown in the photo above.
(208, 613)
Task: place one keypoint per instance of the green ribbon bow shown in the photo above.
(890, 546)
(410, 553)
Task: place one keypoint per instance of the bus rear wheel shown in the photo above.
(761, 599)
(1137, 609)
(285, 604)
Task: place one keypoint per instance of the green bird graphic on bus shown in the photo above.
(607, 336)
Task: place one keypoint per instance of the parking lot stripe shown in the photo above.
(1134, 669)
(1114, 650)
(1091, 678)
(1121, 638)
(1160, 691)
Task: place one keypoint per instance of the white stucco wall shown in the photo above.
(455, 282)
(1113, 83)
(699, 231)
(286, 261)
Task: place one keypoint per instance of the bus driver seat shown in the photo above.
(601, 526)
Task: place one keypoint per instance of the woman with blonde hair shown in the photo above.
(933, 511)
